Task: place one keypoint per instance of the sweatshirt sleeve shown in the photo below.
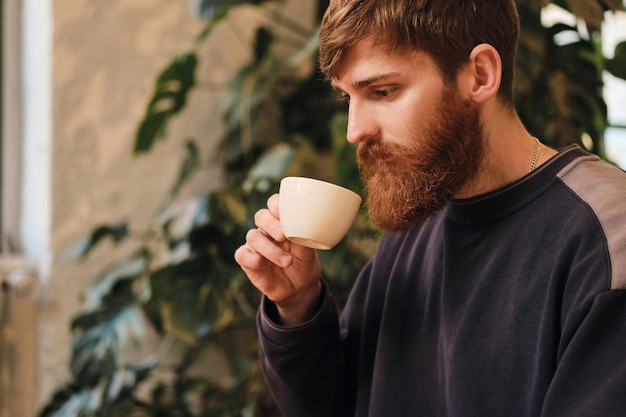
(590, 378)
(302, 364)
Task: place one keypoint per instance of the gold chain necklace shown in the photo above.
(533, 164)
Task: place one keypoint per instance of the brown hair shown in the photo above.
(448, 30)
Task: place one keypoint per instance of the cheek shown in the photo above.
(413, 116)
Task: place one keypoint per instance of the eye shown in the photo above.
(383, 92)
(343, 97)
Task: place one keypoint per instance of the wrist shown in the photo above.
(301, 308)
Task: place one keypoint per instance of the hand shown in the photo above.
(287, 273)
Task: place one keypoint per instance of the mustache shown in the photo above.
(376, 151)
(375, 154)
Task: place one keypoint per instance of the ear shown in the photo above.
(479, 80)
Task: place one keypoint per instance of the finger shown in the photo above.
(267, 222)
(249, 259)
(259, 241)
(272, 205)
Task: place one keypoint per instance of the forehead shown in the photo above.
(365, 59)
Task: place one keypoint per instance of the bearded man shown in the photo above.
(499, 287)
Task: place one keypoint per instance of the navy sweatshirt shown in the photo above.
(510, 304)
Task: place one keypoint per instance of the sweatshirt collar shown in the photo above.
(512, 197)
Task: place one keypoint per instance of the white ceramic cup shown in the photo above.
(315, 213)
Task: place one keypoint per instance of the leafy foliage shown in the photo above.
(184, 284)
(170, 96)
(617, 64)
(559, 74)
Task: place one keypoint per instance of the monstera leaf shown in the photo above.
(74, 400)
(191, 300)
(117, 232)
(172, 87)
(102, 336)
(617, 64)
(170, 95)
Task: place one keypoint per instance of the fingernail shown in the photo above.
(285, 260)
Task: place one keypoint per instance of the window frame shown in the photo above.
(10, 125)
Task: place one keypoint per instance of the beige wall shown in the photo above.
(106, 55)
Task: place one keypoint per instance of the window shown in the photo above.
(18, 274)
(25, 137)
(614, 32)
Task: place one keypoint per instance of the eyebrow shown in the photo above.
(360, 84)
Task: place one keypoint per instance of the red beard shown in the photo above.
(405, 185)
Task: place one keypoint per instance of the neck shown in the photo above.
(509, 152)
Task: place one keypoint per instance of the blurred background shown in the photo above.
(137, 139)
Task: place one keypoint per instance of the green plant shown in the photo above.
(183, 281)
(559, 85)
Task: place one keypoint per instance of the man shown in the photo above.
(499, 288)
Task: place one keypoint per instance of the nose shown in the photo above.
(361, 123)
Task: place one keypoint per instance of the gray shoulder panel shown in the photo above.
(603, 188)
